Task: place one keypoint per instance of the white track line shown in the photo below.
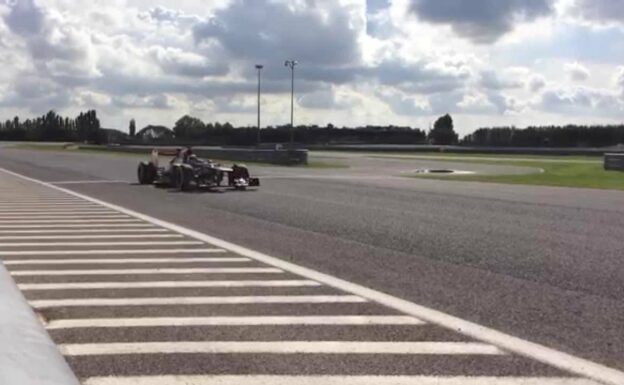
(207, 270)
(27, 206)
(164, 284)
(282, 347)
(81, 226)
(70, 221)
(19, 197)
(331, 380)
(62, 217)
(99, 261)
(88, 181)
(9, 201)
(106, 236)
(111, 252)
(59, 212)
(39, 204)
(227, 300)
(88, 231)
(541, 353)
(110, 243)
(231, 321)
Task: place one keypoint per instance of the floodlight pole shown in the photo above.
(259, 68)
(291, 64)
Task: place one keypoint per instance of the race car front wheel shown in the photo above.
(182, 178)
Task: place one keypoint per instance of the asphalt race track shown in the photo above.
(545, 265)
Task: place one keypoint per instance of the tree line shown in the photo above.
(86, 128)
(548, 136)
(193, 129)
(53, 127)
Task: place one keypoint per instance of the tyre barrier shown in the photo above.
(614, 162)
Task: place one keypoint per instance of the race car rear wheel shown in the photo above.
(145, 173)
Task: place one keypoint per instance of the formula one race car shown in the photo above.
(186, 171)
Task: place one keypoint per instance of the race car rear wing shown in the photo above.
(156, 153)
(155, 157)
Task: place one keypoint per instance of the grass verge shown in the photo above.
(582, 172)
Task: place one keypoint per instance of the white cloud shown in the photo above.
(178, 62)
(620, 77)
(507, 79)
(160, 101)
(403, 104)
(603, 11)
(482, 21)
(576, 72)
(477, 103)
(579, 101)
(397, 62)
(537, 83)
(318, 33)
(91, 100)
(329, 99)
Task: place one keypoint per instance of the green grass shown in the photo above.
(584, 172)
(40, 146)
(73, 148)
(489, 157)
(69, 147)
(323, 164)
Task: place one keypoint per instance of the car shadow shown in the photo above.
(196, 191)
(221, 190)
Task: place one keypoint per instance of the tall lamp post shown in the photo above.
(259, 68)
(292, 64)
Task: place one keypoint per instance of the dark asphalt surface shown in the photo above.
(543, 264)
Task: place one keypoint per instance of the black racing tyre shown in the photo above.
(182, 178)
(240, 171)
(173, 176)
(144, 173)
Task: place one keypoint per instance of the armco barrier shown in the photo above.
(614, 162)
(282, 157)
(27, 354)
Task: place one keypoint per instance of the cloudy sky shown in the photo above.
(403, 62)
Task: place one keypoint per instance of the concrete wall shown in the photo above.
(272, 156)
(285, 157)
(467, 150)
(614, 162)
(27, 354)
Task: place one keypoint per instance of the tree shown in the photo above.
(443, 132)
(51, 126)
(132, 128)
(88, 127)
(188, 127)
